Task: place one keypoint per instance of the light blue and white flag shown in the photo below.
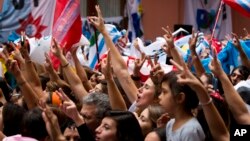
(133, 10)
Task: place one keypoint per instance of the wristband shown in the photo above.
(207, 103)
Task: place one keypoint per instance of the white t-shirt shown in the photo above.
(190, 131)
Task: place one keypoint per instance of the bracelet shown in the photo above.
(65, 65)
(209, 102)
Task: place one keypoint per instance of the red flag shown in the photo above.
(67, 25)
(242, 6)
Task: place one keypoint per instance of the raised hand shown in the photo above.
(69, 108)
(236, 42)
(193, 40)
(16, 53)
(51, 122)
(138, 64)
(97, 21)
(168, 37)
(156, 72)
(56, 49)
(48, 64)
(215, 67)
(106, 67)
(13, 67)
(186, 77)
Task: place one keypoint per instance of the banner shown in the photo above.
(201, 14)
(32, 16)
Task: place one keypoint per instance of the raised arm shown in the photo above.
(80, 70)
(120, 68)
(216, 125)
(52, 73)
(244, 59)
(235, 102)
(199, 69)
(116, 100)
(74, 81)
(28, 93)
(170, 43)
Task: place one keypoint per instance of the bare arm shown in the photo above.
(28, 93)
(195, 58)
(80, 71)
(244, 59)
(215, 123)
(170, 43)
(120, 68)
(235, 102)
(52, 73)
(116, 100)
(74, 81)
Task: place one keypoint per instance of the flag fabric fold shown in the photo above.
(242, 6)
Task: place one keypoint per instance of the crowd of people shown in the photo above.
(110, 104)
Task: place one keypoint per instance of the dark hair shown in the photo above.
(161, 132)
(244, 71)
(128, 128)
(12, 119)
(33, 125)
(191, 99)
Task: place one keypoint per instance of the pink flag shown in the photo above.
(67, 25)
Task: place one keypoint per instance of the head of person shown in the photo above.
(12, 116)
(33, 125)
(158, 134)
(176, 97)
(238, 74)
(149, 116)
(100, 87)
(146, 94)
(71, 133)
(119, 126)
(93, 109)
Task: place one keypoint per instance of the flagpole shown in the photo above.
(96, 45)
(216, 21)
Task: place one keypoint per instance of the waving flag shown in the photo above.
(134, 19)
(201, 14)
(35, 19)
(242, 6)
(67, 25)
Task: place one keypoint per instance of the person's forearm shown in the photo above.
(244, 59)
(73, 80)
(29, 95)
(235, 102)
(120, 69)
(197, 64)
(116, 100)
(82, 74)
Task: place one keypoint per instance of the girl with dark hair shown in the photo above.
(179, 100)
(119, 126)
